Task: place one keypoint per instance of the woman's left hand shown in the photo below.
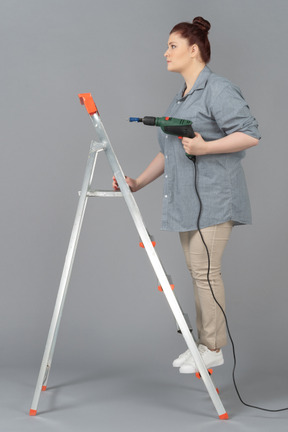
(195, 146)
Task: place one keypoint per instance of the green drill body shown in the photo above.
(171, 126)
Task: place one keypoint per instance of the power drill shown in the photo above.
(171, 126)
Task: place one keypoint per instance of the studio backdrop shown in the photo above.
(50, 52)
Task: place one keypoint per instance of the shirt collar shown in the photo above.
(199, 84)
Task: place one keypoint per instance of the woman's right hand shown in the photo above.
(153, 171)
(132, 183)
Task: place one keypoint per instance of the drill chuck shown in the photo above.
(147, 120)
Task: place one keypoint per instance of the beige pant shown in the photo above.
(209, 317)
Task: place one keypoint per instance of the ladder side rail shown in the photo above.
(64, 282)
(94, 147)
(156, 264)
(93, 153)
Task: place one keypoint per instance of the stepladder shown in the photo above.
(103, 144)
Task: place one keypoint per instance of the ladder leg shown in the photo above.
(58, 309)
(178, 314)
(51, 351)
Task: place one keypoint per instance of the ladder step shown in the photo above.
(104, 194)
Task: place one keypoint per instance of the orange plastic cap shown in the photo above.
(141, 244)
(224, 416)
(33, 412)
(87, 100)
(160, 287)
(198, 375)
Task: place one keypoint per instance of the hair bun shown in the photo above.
(202, 24)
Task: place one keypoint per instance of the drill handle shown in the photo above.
(183, 131)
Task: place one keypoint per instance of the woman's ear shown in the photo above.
(194, 50)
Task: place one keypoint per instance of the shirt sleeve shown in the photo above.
(232, 113)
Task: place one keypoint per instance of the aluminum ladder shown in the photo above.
(103, 144)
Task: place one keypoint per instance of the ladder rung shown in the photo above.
(104, 194)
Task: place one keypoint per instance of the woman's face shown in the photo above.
(178, 54)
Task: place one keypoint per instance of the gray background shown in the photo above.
(112, 364)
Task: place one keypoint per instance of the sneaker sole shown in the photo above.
(191, 370)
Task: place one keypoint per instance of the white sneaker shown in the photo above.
(210, 358)
(182, 359)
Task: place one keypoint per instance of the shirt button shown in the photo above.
(166, 196)
(166, 176)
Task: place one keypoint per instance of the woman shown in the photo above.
(224, 129)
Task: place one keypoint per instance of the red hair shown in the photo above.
(196, 33)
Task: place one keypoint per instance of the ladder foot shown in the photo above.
(44, 388)
(33, 412)
(224, 416)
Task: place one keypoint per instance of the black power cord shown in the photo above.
(224, 314)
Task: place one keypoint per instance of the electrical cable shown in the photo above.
(215, 299)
